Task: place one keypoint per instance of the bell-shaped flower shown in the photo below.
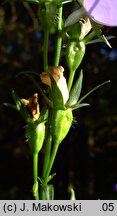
(101, 11)
(57, 74)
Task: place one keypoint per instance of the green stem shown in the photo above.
(35, 176)
(47, 154)
(52, 158)
(45, 51)
(71, 78)
(59, 38)
(47, 173)
(46, 162)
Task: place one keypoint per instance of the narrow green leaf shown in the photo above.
(40, 179)
(29, 1)
(78, 105)
(16, 100)
(27, 73)
(56, 95)
(98, 31)
(51, 177)
(10, 105)
(94, 89)
(76, 91)
(36, 83)
(64, 1)
(43, 115)
(20, 107)
(99, 40)
(74, 17)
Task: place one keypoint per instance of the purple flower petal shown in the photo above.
(102, 11)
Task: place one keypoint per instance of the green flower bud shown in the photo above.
(35, 134)
(61, 121)
(75, 51)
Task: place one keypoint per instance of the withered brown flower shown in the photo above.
(32, 105)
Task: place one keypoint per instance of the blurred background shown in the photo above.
(87, 159)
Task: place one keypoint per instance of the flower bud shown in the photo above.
(61, 121)
(57, 73)
(74, 54)
(35, 134)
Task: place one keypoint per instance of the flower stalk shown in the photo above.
(45, 52)
(59, 36)
(35, 189)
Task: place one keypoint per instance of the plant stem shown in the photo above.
(71, 78)
(50, 164)
(45, 51)
(46, 162)
(59, 38)
(48, 169)
(47, 154)
(35, 176)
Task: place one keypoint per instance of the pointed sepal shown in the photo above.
(20, 107)
(56, 95)
(75, 91)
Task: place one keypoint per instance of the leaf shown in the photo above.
(64, 1)
(43, 115)
(94, 89)
(10, 105)
(20, 107)
(74, 17)
(29, 75)
(98, 31)
(29, 1)
(78, 105)
(99, 40)
(76, 90)
(51, 176)
(56, 95)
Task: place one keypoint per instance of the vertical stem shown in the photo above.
(35, 176)
(59, 38)
(52, 158)
(48, 144)
(45, 51)
(47, 153)
(71, 78)
(46, 162)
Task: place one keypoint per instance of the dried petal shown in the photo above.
(85, 26)
(32, 105)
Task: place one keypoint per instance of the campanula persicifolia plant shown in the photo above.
(48, 123)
